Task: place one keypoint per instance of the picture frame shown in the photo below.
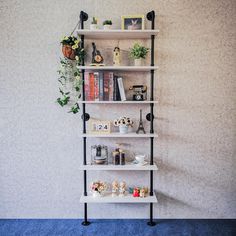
(132, 22)
(99, 127)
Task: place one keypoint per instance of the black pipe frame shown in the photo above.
(150, 17)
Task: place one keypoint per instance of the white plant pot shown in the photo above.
(97, 194)
(138, 62)
(93, 26)
(123, 129)
(106, 27)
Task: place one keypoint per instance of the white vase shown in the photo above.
(138, 62)
(93, 26)
(123, 129)
(106, 27)
(96, 194)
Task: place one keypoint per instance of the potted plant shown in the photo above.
(123, 123)
(138, 53)
(94, 24)
(107, 24)
(71, 48)
(98, 188)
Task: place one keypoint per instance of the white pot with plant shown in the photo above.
(94, 24)
(107, 24)
(123, 123)
(138, 53)
(98, 188)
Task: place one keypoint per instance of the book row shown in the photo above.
(104, 86)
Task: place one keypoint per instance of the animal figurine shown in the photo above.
(115, 188)
(116, 56)
(136, 192)
(122, 189)
(142, 192)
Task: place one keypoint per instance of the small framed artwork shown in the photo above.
(99, 127)
(132, 22)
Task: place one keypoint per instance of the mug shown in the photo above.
(140, 158)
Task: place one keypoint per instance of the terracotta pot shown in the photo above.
(68, 52)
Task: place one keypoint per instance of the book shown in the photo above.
(110, 86)
(121, 89)
(106, 86)
(86, 87)
(116, 92)
(91, 87)
(101, 86)
(96, 86)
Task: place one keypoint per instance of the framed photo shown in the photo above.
(132, 22)
(99, 127)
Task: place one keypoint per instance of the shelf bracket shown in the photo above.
(150, 117)
(85, 117)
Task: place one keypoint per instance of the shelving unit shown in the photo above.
(119, 135)
(117, 34)
(117, 102)
(119, 167)
(119, 68)
(128, 198)
(151, 166)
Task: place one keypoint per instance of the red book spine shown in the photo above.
(86, 87)
(91, 86)
(111, 86)
(106, 86)
(96, 86)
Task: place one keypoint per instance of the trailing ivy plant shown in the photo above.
(70, 85)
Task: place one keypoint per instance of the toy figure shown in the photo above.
(142, 192)
(122, 189)
(115, 188)
(116, 56)
(136, 192)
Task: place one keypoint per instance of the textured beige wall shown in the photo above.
(40, 148)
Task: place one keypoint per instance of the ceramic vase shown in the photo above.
(106, 27)
(123, 129)
(138, 62)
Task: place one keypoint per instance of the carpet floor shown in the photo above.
(117, 228)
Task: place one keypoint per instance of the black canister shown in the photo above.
(122, 158)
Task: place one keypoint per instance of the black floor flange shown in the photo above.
(86, 223)
(151, 223)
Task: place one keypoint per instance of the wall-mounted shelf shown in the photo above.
(118, 68)
(117, 102)
(119, 135)
(119, 167)
(128, 198)
(117, 34)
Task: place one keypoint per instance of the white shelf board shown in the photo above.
(117, 34)
(117, 102)
(119, 167)
(118, 68)
(119, 135)
(128, 198)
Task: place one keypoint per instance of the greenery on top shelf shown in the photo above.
(107, 22)
(94, 21)
(138, 51)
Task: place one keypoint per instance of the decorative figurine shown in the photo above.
(142, 192)
(122, 189)
(136, 192)
(140, 127)
(97, 58)
(116, 56)
(115, 188)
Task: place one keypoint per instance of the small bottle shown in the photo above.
(116, 158)
(122, 158)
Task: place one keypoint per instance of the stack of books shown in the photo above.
(104, 86)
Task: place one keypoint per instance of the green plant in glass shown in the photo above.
(107, 22)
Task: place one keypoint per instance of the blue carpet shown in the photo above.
(117, 228)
